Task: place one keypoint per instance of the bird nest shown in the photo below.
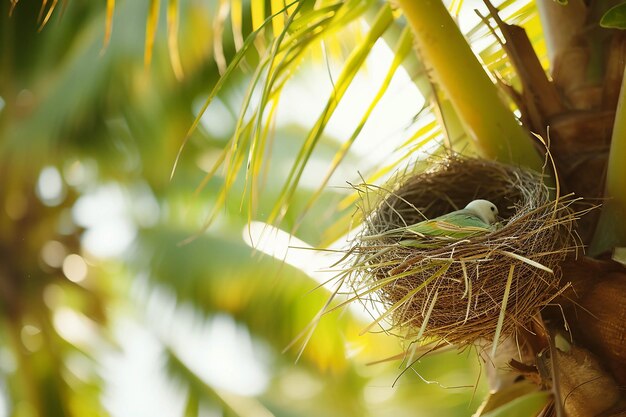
(461, 290)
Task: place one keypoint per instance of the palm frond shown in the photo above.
(301, 32)
(353, 63)
(151, 28)
(108, 23)
(402, 49)
(172, 38)
(44, 16)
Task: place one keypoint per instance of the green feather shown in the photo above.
(458, 224)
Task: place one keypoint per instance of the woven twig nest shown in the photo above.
(461, 290)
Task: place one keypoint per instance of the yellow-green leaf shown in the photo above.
(236, 19)
(615, 17)
(109, 23)
(172, 38)
(151, 26)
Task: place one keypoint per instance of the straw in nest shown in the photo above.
(481, 287)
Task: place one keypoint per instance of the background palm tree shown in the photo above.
(90, 129)
(102, 312)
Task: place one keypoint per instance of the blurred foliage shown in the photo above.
(94, 282)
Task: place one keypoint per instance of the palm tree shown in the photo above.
(578, 101)
(575, 105)
(101, 311)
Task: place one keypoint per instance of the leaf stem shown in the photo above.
(454, 67)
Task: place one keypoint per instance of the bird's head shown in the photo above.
(484, 209)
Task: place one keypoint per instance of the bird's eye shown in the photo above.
(493, 208)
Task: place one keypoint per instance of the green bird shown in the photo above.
(478, 217)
